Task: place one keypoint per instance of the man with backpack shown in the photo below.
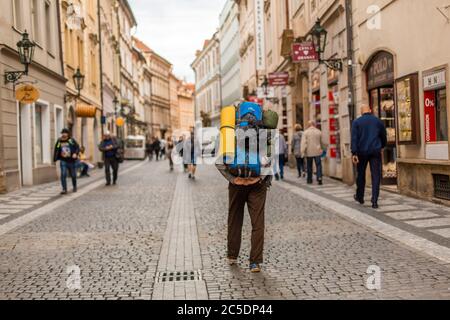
(112, 156)
(248, 183)
(66, 152)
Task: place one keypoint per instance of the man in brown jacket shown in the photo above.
(312, 147)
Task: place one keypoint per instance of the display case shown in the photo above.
(407, 109)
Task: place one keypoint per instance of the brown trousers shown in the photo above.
(255, 197)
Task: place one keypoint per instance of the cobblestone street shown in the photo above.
(159, 235)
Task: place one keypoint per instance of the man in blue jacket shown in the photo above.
(369, 138)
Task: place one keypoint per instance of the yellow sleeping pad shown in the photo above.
(227, 132)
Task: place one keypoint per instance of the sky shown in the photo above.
(176, 29)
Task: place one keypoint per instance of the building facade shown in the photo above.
(186, 101)
(174, 84)
(110, 61)
(82, 51)
(208, 82)
(406, 82)
(229, 54)
(28, 131)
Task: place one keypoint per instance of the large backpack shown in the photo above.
(247, 162)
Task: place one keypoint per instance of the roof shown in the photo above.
(141, 45)
(130, 12)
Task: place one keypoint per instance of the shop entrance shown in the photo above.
(380, 83)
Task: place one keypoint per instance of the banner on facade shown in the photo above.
(260, 36)
(430, 116)
(278, 79)
(27, 94)
(304, 51)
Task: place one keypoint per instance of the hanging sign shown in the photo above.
(260, 36)
(27, 94)
(85, 111)
(278, 79)
(304, 51)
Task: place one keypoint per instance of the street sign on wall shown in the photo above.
(304, 51)
(266, 93)
(260, 36)
(278, 79)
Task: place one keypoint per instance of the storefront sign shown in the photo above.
(260, 36)
(278, 79)
(434, 81)
(304, 51)
(256, 100)
(265, 93)
(27, 94)
(381, 70)
(430, 116)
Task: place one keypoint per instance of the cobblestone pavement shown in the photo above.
(158, 235)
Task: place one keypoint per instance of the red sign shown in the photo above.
(333, 139)
(430, 116)
(256, 100)
(304, 51)
(333, 153)
(333, 124)
(279, 79)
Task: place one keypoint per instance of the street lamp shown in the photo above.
(319, 37)
(78, 81)
(25, 48)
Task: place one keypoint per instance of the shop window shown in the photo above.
(441, 116)
(407, 109)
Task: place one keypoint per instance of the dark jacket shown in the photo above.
(74, 149)
(368, 135)
(109, 153)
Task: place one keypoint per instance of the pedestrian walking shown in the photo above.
(369, 138)
(297, 150)
(282, 155)
(170, 147)
(190, 154)
(180, 150)
(112, 154)
(162, 153)
(149, 149)
(66, 152)
(156, 146)
(248, 184)
(312, 147)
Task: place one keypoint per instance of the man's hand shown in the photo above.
(246, 181)
(355, 159)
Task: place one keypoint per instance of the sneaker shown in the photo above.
(190, 176)
(232, 261)
(64, 192)
(375, 205)
(255, 268)
(320, 183)
(75, 190)
(108, 184)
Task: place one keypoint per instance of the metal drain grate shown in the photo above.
(441, 186)
(179, 276)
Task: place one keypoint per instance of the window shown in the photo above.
(441, 116)
(59, 121)
(38, 147)
(35, 20)
(17, 10)
(48, 27)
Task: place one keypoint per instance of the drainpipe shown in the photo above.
(350, 77)
(100, 46)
